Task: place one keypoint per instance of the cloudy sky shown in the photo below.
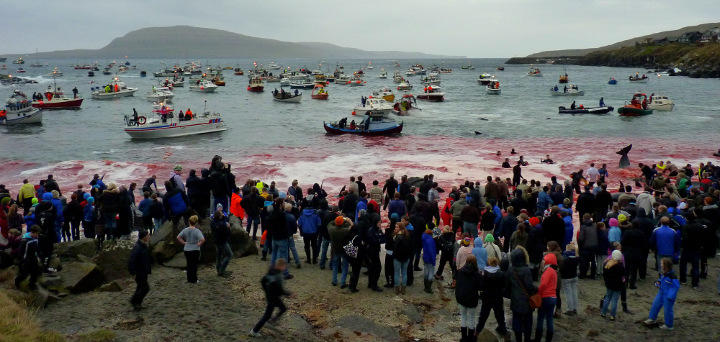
(473, 28)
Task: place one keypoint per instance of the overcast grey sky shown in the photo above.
(473, 28)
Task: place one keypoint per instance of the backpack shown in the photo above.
(177, 204)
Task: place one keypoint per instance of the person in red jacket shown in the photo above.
(547, 290)
(236, 205)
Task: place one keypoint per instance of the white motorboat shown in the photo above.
(432, 94)
(163, 123)
(382, 75)
(534, 72)
(162, 94)
(18, 111)
(284, 82)
(375, 104)
(397, 78)
(485, 79)
(273, 66)
(204, 86)
(659, 102)
(404, 85)
(431, 80)
(115, 89)
(493, 88)
(304, 84)
(568, 90)
(55, 73)
(385, 93)
(342, 79)
(286, 96)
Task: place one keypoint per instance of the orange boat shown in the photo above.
(319, 92)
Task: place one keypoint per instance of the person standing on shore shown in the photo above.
(191, 238)
(467, 287)
(139, 266)
(668, 286)
(220, 226)
(272, 284)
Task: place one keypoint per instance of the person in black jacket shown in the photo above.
(139, 266)
(272, 284)
(493, 289)
(553, 226)
(125, 213)
(220, 226)
(327, 215)
(646, 225)
(467, 286)
(586, 203)
(634, 244)
(518, 279)
(446, 245)
(198, 192)
(30, 259)
(73, 213)
(218, 183)
(45, 215)
(603, 203)
(692, 240)
(389, 189)
(253, 203)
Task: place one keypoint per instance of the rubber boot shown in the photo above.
(471, 335)
(548, 336)
(428, 286)
(625, 309)
(397, 290)
(402, 289)
(463, 334)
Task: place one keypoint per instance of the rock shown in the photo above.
(593, 333)
(78, 277)
(412, 313)
(366, 325)
(52, 280)
(113, 259)
(164, 251)
(240, 242)
(178, 261)
(130, 324)
(165, 233)
(112, 286)
(487, 336)
(86, 247)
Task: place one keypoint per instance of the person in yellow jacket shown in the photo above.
(25, 196)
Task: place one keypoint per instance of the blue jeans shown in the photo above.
(545, 313)
(323, 253)
(224, 254)
(291, 246)
(428, 271)
(470, 228)
(611, 300)
(401, 269)
(110, 226)
(254, 221)
(157, 222)
(279, 251)
(335, 263)
(659, 303)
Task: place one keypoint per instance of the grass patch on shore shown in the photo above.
(102, 335)
(19, 325)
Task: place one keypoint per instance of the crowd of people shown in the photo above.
(498, 238)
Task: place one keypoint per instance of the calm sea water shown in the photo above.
(256, 122)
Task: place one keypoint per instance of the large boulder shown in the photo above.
(178, 261)
(165, 250)
(113, 259)
(78, 277)
(240, 242)
(166, 233)
(85, 247)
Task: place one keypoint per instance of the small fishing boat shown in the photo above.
(612, 81)
(534, 72)
(467, 67)
(20, 70)
(369, 66)
(375, 104)
(55, 73)
(304, 84)
(485, 79)
(636, 107)
(432, 94)
(272, 79)
(55, 99)
(568, 90)
(143, 73)
(19, 60)
(382, 74)
(374, 124)
(501, 68)
(218, 81)
(113, 90)
(638, 78)
(163, 123)
(273, 66)
(407, 102)
(585, 110)
(91, 73)
(284, 82)
(286, 96)
(203, 86)
(564, 78)
(431, 80)
(238, 72)
(659, 102)
(319, 93)
(385, 93)
(356, 81)
(493, 88)
(404, 85)
(161, 94)
(18, 110)
(256, 85)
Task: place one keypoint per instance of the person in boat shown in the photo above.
(135, 116)
(181, 116)
(651, 97)
(564, 89)
(602, 102)
(117, 88)
(297, 92)
(572, 105)
(353, 125)
(363, 99)
(555, 88)
(644, 104)
(342, 123)
(75, 92)
(107, 88)
(547, 160)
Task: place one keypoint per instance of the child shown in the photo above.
(668, 285)
(614, 234)
(568, 274)
(613, 274)
(272, 284)
(191, 238)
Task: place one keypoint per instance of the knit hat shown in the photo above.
(47, 196)
(35, 201)
(622, 218)
(91, 200)
(617, 255)
(5, 201)
(339, 220)
(177, 168)
(534, 221)
(466, 241)
(613, 222)
(55, 194)
(219, 206)
(489, 238)
(86, 196)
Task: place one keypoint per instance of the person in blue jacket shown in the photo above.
(429, 256)
(480, 253)
(668, 285)
(543, 201)
(309, 224)
(665, 241)
(569, 228)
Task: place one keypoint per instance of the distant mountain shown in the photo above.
(197, 42)
(671, 35)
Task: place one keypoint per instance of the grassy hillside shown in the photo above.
(18, 325)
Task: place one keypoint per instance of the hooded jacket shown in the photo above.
(554, 228)
(644, 223)
(428, 248)
(493, 284)
(467, 286)
(457, 207)
(549, 279)
(613, 276)
(338, 236)
(309, 222)
(634, 244)
(519, 280)
(588, 237)
(669, 286)
(480, 253)
(445, 212)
